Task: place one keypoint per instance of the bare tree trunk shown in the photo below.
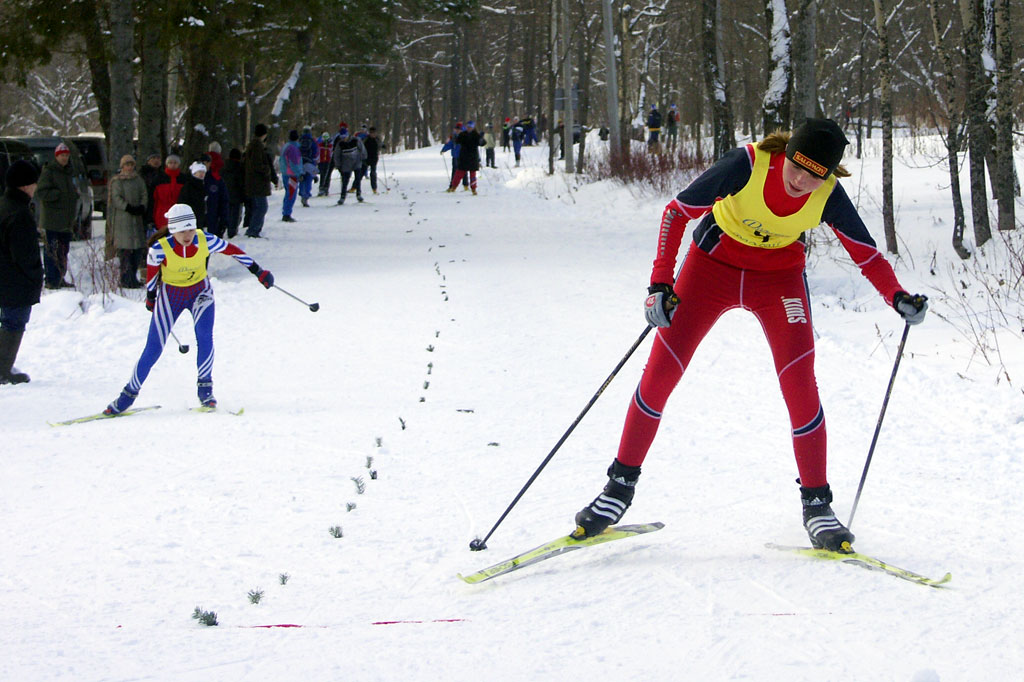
(805, 82)
(715, 80)
(122, 82)
(552, 80)
(153, 95)
(977, 128)
(96, 52)
(1003, 177)
(611, 80)
(885, 88)
(566, 62)
(952, 137)
(625, 88)
(775, 104)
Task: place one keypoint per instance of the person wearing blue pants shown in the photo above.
(177, 281)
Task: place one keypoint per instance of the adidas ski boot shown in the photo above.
(608, 507)
(823, 528)
(122, 403)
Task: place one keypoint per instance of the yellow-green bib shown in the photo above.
(181, 272)
(745, 217)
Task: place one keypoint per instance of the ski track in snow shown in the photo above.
(457, 338)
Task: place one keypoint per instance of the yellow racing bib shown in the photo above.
(179, 271)
(745, 217)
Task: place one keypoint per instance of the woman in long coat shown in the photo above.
(126, 208)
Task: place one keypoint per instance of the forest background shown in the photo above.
(191, 72)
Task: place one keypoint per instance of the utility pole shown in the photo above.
(612, 81)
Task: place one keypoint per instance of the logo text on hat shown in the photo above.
(810, 164)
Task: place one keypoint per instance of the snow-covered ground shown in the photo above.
(457, 338)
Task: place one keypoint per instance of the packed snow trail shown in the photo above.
(457, 338)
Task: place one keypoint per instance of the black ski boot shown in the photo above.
(823, 528)
(608, 507)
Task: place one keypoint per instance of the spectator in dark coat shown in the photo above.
(193, 192)
(259, 173)
(372, 145)
(216, 202)
(21, 270)
(234, 182)
(56, 200)
(349, 153)
(469, 141)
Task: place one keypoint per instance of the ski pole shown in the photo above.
(878, 426)
(477, 544)
(313, 307)
(181, 348)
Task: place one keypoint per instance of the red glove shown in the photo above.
(266, 278)
(150, 300)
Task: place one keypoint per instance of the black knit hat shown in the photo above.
(260, 130)
(817, 146)
(21, 173)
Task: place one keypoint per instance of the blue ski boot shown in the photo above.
(205, 391)
(122, 403)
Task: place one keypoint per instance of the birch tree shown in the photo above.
(776, 102)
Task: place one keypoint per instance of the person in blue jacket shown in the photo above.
(453, 146)
(310, 151)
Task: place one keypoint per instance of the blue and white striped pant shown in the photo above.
(171, 301)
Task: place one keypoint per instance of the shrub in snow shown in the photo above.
(205, 617)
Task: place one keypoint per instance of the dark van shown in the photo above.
(43, 148)
(12, 150)
(94, 154)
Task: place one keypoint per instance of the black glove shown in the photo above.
(150, 300)
(265, 277)
(659, 304)
(910, 308)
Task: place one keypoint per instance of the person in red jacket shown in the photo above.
(166, 189)
(747, 252)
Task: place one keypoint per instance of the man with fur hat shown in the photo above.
(21, 271)
(57, 203)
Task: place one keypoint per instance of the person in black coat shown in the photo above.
(469, 141)
(234, 180)
(193, 192)
(372, 144)
(21, 268)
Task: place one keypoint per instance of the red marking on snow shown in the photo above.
(436, 620)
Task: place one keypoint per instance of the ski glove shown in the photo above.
(150, 300)
(264, 276)
(910, 308)
(659, 304)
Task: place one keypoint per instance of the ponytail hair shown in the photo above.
(157, 236)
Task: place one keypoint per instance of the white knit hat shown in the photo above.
(180, 218)
(197, 167)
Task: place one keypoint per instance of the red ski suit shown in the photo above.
(724, 270)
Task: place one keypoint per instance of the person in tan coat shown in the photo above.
(126, 208)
